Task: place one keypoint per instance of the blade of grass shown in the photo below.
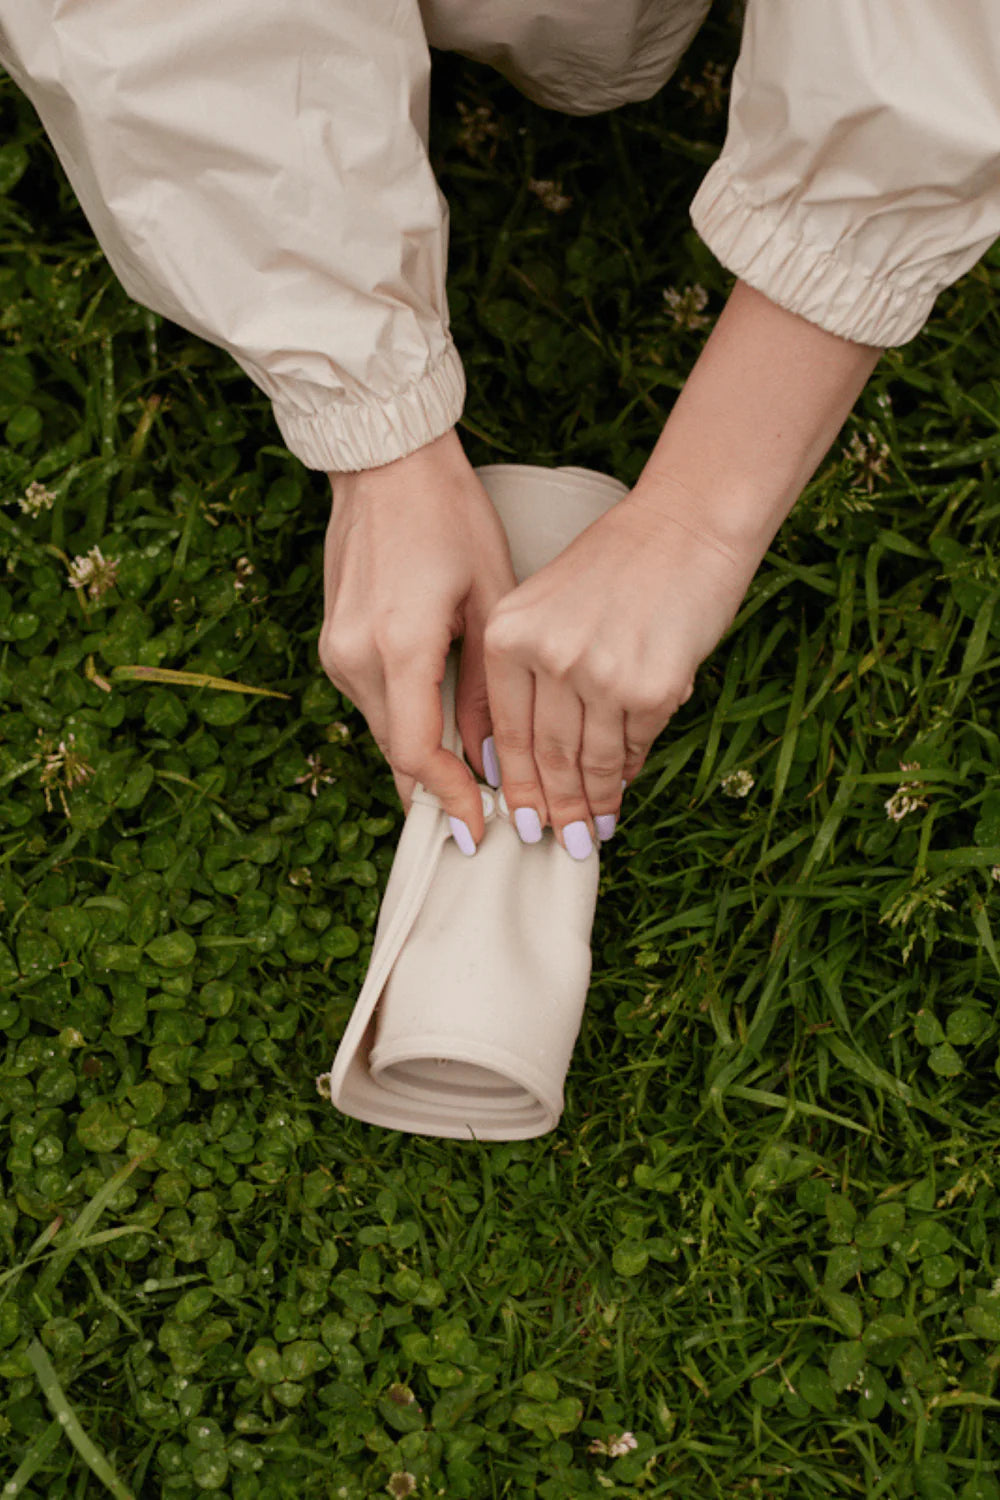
(674, 760)
(842, 639)
(862, 1067)
(188, 679)
(975, 646)
(794, 1106)
(70, 1423)
(831, 822)
(963, 859)
(791, 731)
(731, 681)
(103, 1237)
(82, 1225)
(15, 1273)
(39, 1450)
(985, 931)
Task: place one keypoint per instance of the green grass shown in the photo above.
(765, 1239)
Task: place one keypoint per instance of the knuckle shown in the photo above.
(500, 636)
(395, 636)
(405, 765)
(521, 793)
(554, 758)
(603, 671)
(555, 661)
(566, 807)
(601, 770)
(340, 651)
(648, 700)
(511, 743)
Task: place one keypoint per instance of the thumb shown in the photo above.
(405, 786)
(414, 727)
(472, 701)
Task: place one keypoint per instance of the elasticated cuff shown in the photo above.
(350, 435)
(760, 245)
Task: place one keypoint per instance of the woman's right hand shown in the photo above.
(416, 556)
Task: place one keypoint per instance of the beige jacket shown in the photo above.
(259, 173)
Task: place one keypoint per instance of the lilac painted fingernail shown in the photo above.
(576, 837)
(529, 825)
(463, 838)
(605, 825)
(490, 763)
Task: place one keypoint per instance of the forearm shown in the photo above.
(764, 401)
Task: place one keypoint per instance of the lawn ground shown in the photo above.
(760, 1256)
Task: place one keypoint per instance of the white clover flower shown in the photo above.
(995, 872)
(244, 568)
(401, 1484)
(686, 306)
(94, 572)
(899, 804)
(905, 799)
(615, 1447)
(316, 773)
(737, 784)
(36, 499)
(64, 769)
(619, 1446)
(550, 194)
(869, 454)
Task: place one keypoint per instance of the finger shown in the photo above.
(641, 729)
(511, 689)
(378, 727)
(415, 725)
(405, 786)
(558, 735)
(472, 701)
(639, 735)
(603, 756)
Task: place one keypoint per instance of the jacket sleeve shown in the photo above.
(258, 173)
(861, 169)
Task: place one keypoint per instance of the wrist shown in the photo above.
(764, 401)
(442, 455)
(739, 523)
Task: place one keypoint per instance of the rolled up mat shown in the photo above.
(473, 999)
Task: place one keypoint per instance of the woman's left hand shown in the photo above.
(589, 658)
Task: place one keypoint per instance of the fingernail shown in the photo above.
(624, 784)
(605, 825)
(490, 763)
(576, 837)
(529, 825)
(463, 838)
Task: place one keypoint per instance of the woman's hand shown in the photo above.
(416, 555)
(589, 658)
